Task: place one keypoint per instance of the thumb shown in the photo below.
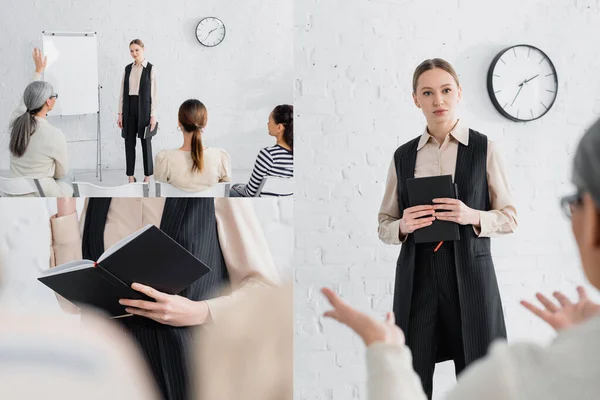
(390, 318)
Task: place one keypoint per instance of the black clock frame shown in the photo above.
(490, 87)
(214, 45)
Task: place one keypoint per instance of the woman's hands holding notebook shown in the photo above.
(455, 211)
(416, 217)
(168, 309)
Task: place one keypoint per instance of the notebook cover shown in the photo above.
(422, 191)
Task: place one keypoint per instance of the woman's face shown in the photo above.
(274, 128)
(137, 52)
(585, 222)
(437, 95)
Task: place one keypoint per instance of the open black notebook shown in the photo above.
(147, 256)
(422, 191)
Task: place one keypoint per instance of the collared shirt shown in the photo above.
(134, 85)
(434, 159)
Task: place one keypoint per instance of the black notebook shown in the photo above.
(148, 256)
(148, 133)
(422, 191)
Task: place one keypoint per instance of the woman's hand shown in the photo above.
(152, 123)
(411, 220)
(65, 206)
(568, 314)
(368, 328)
(168, 309)
(456, 211)
(39, 60)
(120, 121)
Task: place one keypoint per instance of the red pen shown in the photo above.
(438, 246)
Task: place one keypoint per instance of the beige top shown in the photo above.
(134, 85)
(567, 368)
(45, 157)
(245, 249)
(175, 167)
(433, 160)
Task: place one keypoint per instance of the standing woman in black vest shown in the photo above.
(225, 234)
(137, 107)
(446, 298)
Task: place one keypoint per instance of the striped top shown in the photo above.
(271, 161)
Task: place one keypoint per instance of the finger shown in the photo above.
(582, 293)
(142, 313)
(420, 226)
(446, 200)
(421, 214)
(537, 311)
(332, 314)
(332, 297)
(415, 209)
(562, 299)
(446, 206)
(447, 214)
(449, 219)
(390, 318)
(145, 305)
(148, 291)
(550, 306)
(418, 221)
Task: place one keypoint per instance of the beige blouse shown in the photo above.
(134, 85)
(244, 246)
(433, 160)
(175, 167)
(46, 155)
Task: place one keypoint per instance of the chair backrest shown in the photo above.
(86, 189)
(20, 186)
(164, 189)
(275, 186)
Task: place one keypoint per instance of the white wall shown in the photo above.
(25, 246)
(240, 81)
(354, 61)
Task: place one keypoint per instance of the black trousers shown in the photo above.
(434, 327)
(131, 139)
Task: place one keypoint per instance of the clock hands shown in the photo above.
(530, 79)
(210, 33)
(517, 95)
(521, 87)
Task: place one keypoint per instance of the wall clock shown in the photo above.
(210, 31)
(522, 83)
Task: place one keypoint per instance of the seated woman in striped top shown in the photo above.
(193, 167)
(277, 160)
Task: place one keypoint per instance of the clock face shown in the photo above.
(522, 83)
(210, 31)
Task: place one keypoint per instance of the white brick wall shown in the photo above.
(25, 246)
(240, 81)
(354, 61)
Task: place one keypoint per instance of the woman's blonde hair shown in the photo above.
(433, 63)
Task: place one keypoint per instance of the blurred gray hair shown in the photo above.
(21, 129)
(586, 164)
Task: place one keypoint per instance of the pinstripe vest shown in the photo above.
(191, 222)
(480, 303)
(145, 100)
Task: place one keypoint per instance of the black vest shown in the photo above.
(144, 104)
(481, 307)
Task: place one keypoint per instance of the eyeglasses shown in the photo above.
(567, 203)
(54, 96)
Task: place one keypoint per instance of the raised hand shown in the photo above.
(568, 314)
(39, 60)
(367, 327)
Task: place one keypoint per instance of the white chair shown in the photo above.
(164, 189)
(20, 187)
(275, 186)
(86, 189)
